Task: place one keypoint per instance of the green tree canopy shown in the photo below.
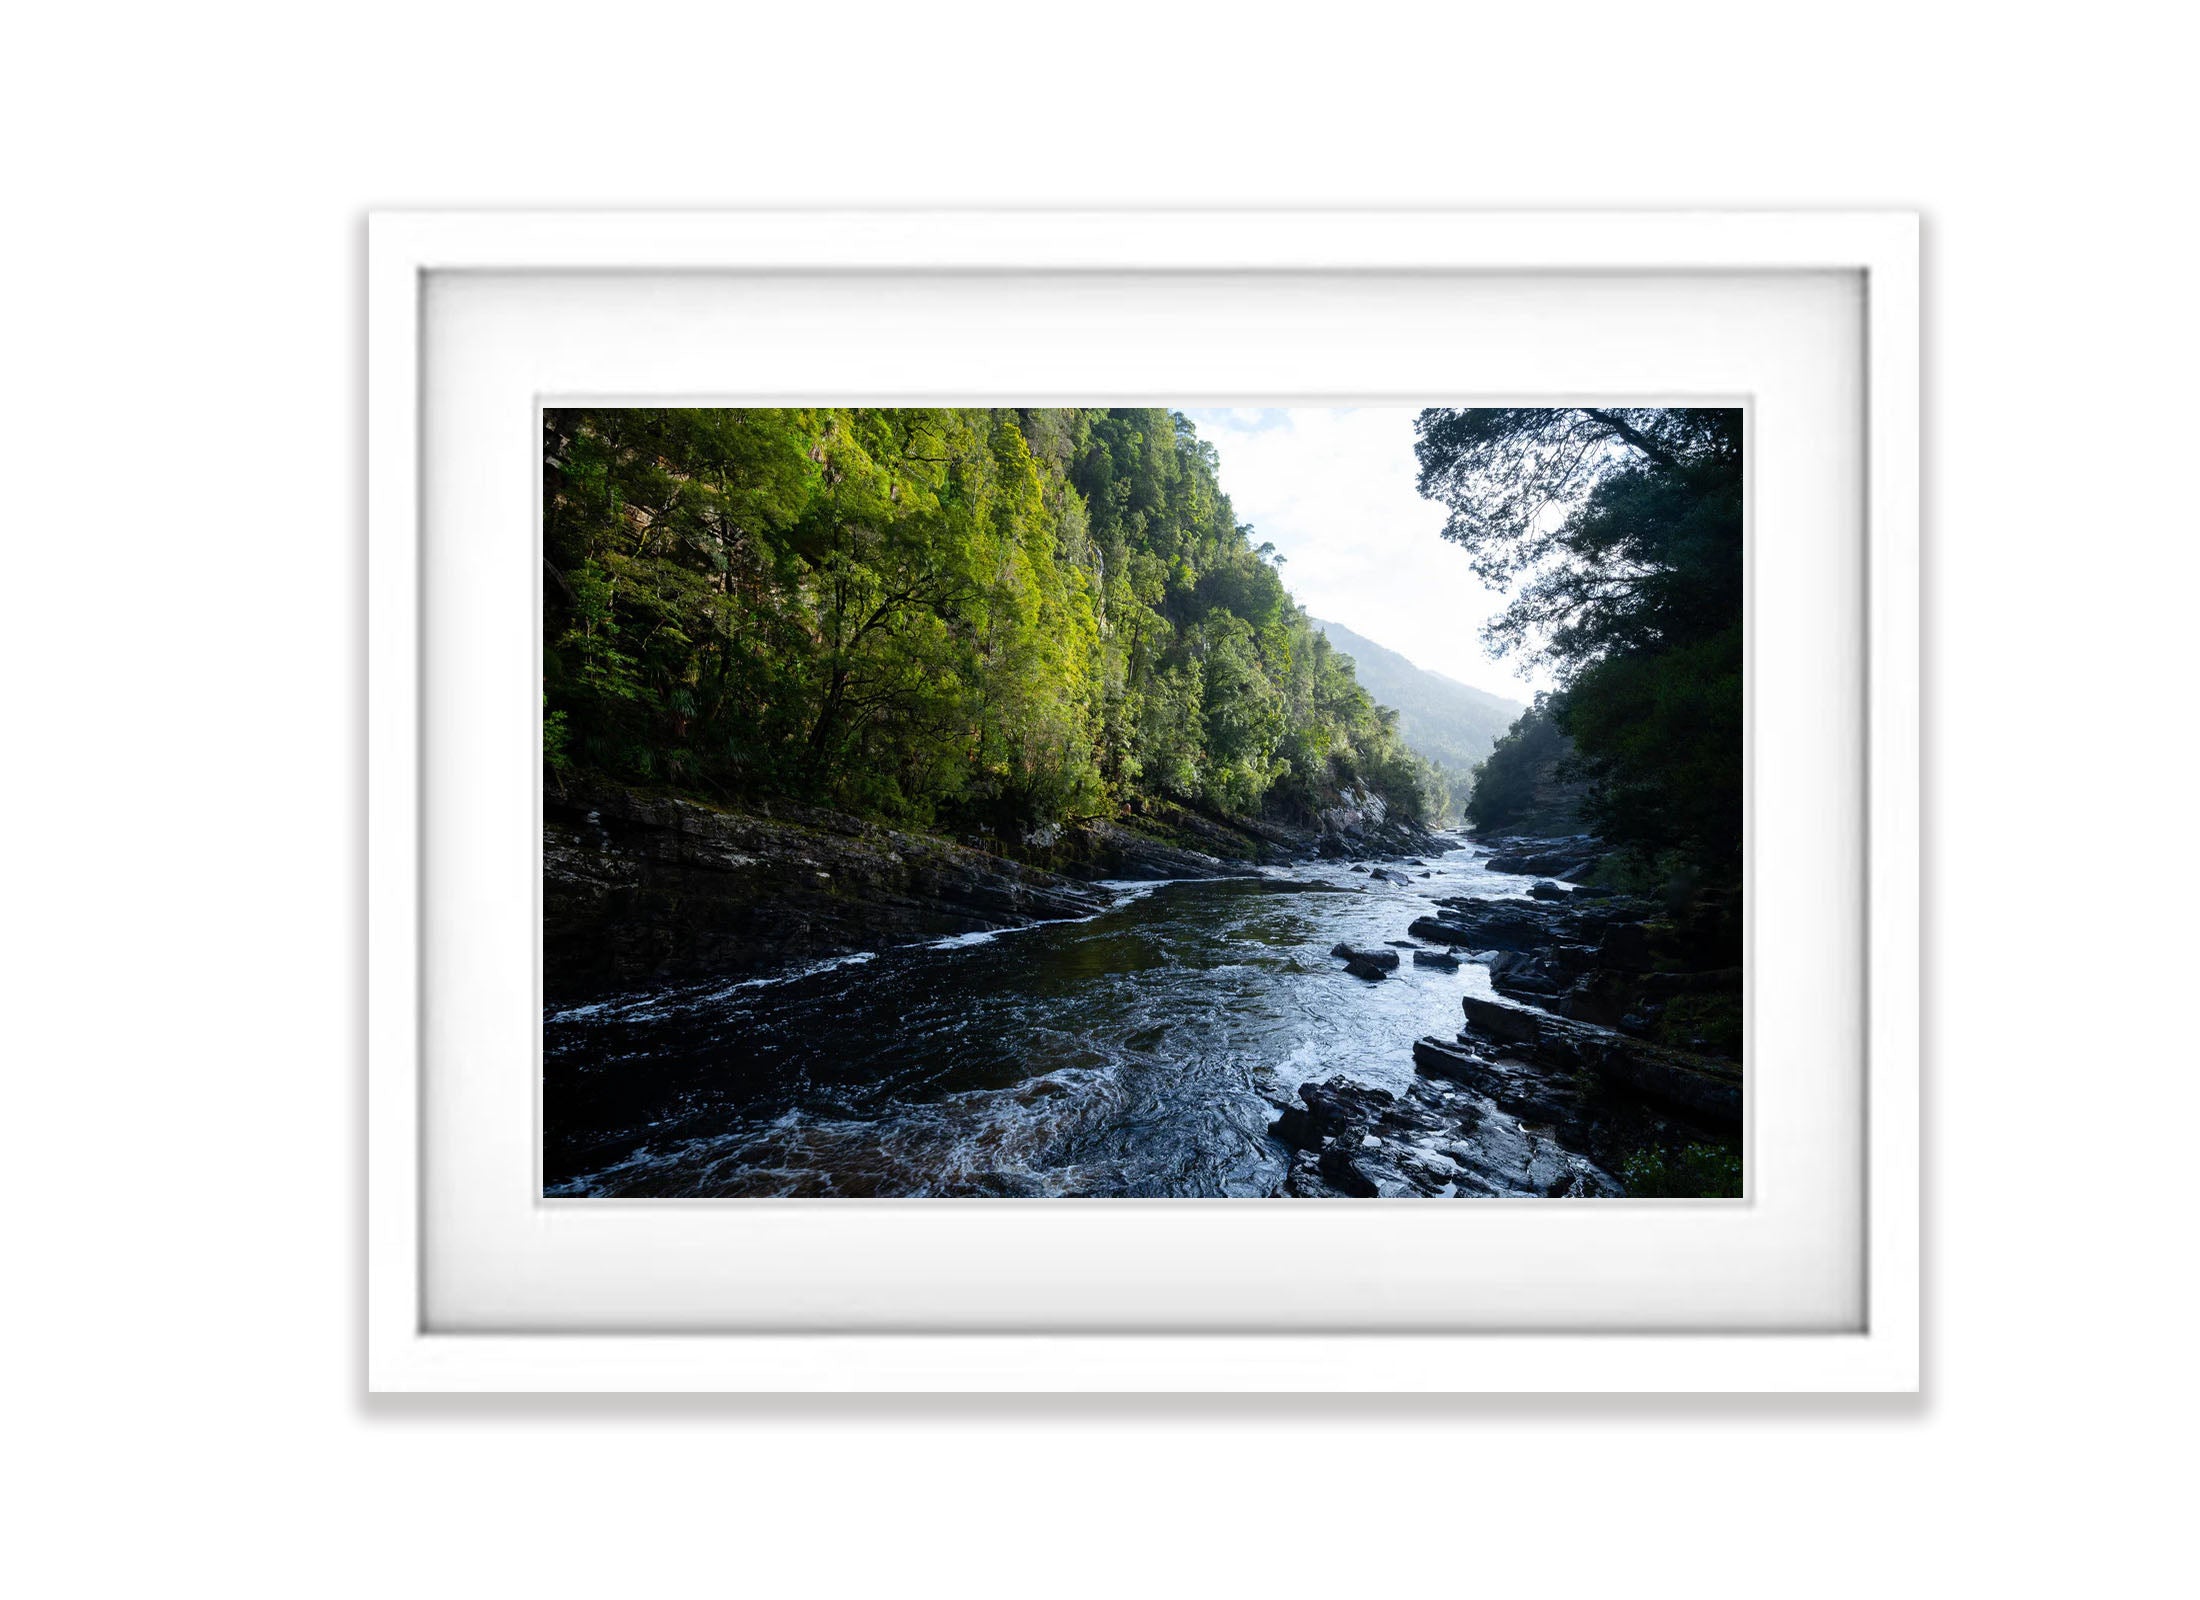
(965, 617)
(1619, 532)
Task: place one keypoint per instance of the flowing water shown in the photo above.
(1143, 1051)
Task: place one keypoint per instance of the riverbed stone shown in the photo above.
(1340, 1168)
(1338, 1107)
(1502, 1021)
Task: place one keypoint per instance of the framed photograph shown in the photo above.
(1143, 801)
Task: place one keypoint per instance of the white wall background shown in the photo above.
(181, 644)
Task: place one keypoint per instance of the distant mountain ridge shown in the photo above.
(1444, 720)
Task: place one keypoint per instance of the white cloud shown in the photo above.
(1333, 489)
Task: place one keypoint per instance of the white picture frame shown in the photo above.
(406, 1351)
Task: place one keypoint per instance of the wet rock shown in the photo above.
(1440, 932)
(1502, 1021)
(1440, 1058)
(1489, 925)
(1356, 867)
(1704, 1089)
(1568, 856)
(1383, 1165)
(1341, 1170)
(1339, 1107)
(1599, 997)
(1339, 1104)
(1125, 854)
(1294, 1125)
(1506, 1158)
(1532, 982)
(1441, 1137)
(1359, 967)
(1520, 1088)
(1544, 889)
(1436, 958)
(1386, 959)
(1304, 1180)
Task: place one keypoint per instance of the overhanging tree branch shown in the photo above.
(1626, 431)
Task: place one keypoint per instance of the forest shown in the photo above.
(1619, 532)
(955, 619)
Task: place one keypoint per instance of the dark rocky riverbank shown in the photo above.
(1600, 1057)
(1614, 1050)
(641, 888)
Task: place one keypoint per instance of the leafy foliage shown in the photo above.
(1687, 1172)
(1518, 787)
(1622, 530)
(985, 618)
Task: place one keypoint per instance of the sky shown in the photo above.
(1332, 488)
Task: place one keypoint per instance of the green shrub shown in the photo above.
(1710, 1023)
(1688, 1172)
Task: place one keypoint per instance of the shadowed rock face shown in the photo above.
(1553, 1068)
(642, 888)
(638, 888)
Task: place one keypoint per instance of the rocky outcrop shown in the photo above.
(1338, 1107)
(1104, 850)
(1160, 839)
(639, 888)
(1357, 1141)
(1619, 1023)
(1557, 1070)
(1485, 925)
(1616, 961)
(1360, 825)
(1572, 857)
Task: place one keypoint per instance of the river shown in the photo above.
(1143, 1051)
